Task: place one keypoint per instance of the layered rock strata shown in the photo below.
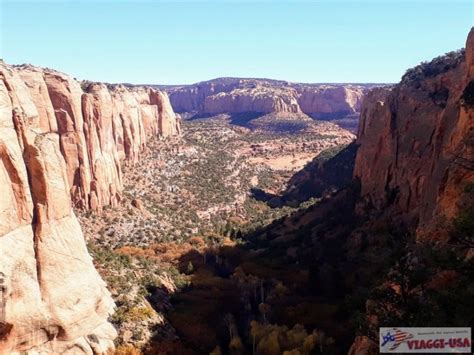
(234, 95)
(99, 128)
(58, 145)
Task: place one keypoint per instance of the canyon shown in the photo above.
(211, 224)
(394, 246)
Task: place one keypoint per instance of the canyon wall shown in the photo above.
(99, 128)
(416, 141)
(330, 101)
(260, 99)
(234, 95)
(60, 145)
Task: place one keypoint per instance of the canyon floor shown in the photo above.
(206, 181)
(186, 204)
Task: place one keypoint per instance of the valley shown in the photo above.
(176, 224)
(202, 182)
(284, 255)
(235, 215)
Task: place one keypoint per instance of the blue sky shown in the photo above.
(177, 42)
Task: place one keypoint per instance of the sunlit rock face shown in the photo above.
(234, 95)
(99, 128)
(59, 146)
(258, 99)
(330, 101)
(416, 141)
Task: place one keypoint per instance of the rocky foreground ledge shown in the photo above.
(61, 144)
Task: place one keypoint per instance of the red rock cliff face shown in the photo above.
(416, 141)
(98, 129)
(59, 145)
(327, 100)
(234, 95)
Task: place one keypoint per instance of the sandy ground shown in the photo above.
(285, 162)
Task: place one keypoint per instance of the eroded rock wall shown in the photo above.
(52, 298)
(233, 95)
(61, 146)
(330, 101)
(261, 100)
(416, 142)
(99, 128)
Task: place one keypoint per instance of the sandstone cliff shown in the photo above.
(98, 129)
(416, 141)
(59, 143)
(233, 95)
(257, 99)
(415, 164)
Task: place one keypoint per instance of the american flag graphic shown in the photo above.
(400, 337)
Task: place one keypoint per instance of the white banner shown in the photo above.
(425, 340)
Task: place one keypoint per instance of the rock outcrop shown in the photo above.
(98, 129)
(329, 101)
(416, 141)
(58, 145)
(234, 95)
(258, 99)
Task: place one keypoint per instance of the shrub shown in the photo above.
(127, 350)
(433, 68)
(463, 228)
(137, 314)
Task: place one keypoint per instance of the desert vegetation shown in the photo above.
(180, 230)
(436, 66)
(202, 185)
